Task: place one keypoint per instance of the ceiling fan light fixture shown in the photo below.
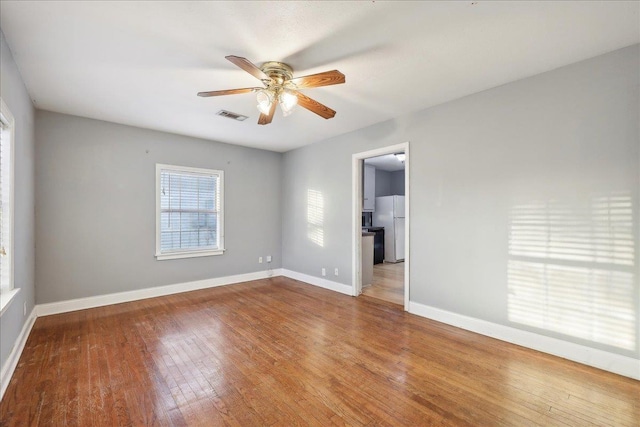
(280, 86)
(265, 99)
(288, 100)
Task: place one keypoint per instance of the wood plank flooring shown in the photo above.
(281, 352)
(388, 283)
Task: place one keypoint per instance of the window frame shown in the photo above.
(189, 253)
(9, 127)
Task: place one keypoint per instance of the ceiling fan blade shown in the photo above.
(265, 119)
(248, 66)
(229, 91)
(327, 78)
(314, 106)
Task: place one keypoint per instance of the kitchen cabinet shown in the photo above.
(378, 243)
(369, 189)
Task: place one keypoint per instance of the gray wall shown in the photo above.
(389, 183)
(568, 135)
(95, 213)
(15, 96)
(383, 183)
(396, 181)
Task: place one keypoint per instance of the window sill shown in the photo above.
(6, 298)
(190, 254)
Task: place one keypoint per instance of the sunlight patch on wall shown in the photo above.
(571, 268)
(315, 217)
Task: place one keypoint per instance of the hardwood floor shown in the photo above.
(281, 352)
(388, 283)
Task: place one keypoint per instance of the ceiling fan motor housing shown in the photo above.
(278, 71)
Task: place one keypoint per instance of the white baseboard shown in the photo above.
(12, 361)
(317, 281)
(120, 297)
(616, 363)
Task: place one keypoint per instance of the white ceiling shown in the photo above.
(388, 162)
(142, 63)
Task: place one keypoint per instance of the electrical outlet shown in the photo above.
(324, 271)
(259, 260)
(335, 271)
(268, 258)
(24, 309)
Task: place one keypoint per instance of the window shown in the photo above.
(6, 199)
(189, 214)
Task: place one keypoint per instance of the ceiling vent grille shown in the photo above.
(230, 115)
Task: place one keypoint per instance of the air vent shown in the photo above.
(230, 115)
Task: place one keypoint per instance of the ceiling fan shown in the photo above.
(281, 88)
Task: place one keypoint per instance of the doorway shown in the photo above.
(386, 215)
(387, 283)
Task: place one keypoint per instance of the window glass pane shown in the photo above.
(164, 191)
(207, 193)
(188, 217)
(188, 222)
(164, 221)
(189, 239)
(174, 221)
(170, 240)
(209, 220)
(207, 238)
(189, 196)
(207, 224)
(174, 191)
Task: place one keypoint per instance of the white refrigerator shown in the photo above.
(389, 214)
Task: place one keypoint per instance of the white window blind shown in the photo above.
(6, 199)
(189, 212)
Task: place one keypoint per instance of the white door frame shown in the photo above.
(356, 203)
